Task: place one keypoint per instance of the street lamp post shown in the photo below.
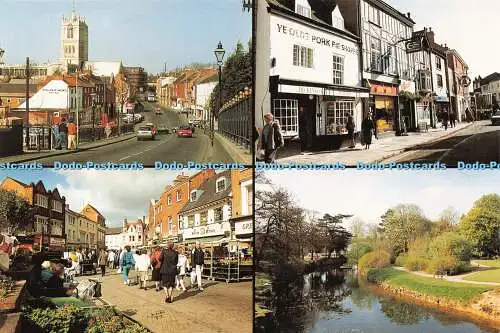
(219, 54)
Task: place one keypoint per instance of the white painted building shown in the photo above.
(202, 91)
(206, 216)
(314, 81)
(134, 233)
(113, 238)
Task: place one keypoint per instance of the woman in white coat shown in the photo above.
(182, 266)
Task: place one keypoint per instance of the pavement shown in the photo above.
(219, 308)
(166, 148)
(454, 278)
(461, 144)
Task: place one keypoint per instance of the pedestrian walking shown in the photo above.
(155, 265)
(126, 264)
(445, 119)
(80, 258)
(367, 128)
(94, 260)
(169, 259)
(453, 119)
(63, 133)
(182, 266)
(103, 261)
(111, 259)
(271, 138)
(72, 130)
(350, 126)
(57, 137)
(198, 260)
(143, 263)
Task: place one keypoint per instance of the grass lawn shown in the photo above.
(490, 263)
(492, 275)
(432, 287)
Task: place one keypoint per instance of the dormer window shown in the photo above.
(303, 10)
(220, 185)
(338, 19)
(193, 196)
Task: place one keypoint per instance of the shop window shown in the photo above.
(302, 56)
(336, 116)
(286, 111)
(338, 70)
(440, 81)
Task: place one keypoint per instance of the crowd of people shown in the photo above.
(65, 134)
(169, 267)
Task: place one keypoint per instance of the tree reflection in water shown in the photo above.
(403, 313)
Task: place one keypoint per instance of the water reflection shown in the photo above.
(338, 302)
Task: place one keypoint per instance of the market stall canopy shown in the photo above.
(54, 95)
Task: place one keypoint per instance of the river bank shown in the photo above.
(473, 301)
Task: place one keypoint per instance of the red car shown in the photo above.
(185, 131)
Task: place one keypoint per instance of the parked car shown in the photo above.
(495, 119)
(174, 129)
(185, 131)
(162, 129)
(145, 132)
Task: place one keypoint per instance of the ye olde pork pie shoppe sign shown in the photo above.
(303, 34)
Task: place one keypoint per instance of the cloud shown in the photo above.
(116, 194)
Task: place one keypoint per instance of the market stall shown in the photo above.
(228, 260)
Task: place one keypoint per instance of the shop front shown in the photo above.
(316, 114)
(442, 106)
(407, 96)
(383, 104)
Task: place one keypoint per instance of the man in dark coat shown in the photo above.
(63, 133)
(198, 260)
(271, 138)
(168, 270)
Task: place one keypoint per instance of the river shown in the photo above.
(339, 302)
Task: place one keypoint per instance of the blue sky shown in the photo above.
(116, 194)
(464, 25)
(368, 194)
(138, 32)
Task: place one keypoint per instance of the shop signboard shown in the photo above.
(215, 229)
(243, 227)
(305, 90)
(59, 242)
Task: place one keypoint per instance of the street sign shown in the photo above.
(466, 81)
(414, 45)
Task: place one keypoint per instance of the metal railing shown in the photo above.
(235, 121)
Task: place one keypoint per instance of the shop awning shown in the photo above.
(203, 240)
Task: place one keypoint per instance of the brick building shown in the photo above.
(47, 227)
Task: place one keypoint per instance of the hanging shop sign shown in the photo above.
(243, 228)
(415, 45)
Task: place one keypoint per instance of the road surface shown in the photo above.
(165, 148)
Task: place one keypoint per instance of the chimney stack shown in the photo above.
(409, 15)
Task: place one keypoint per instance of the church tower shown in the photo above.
(74, 40)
